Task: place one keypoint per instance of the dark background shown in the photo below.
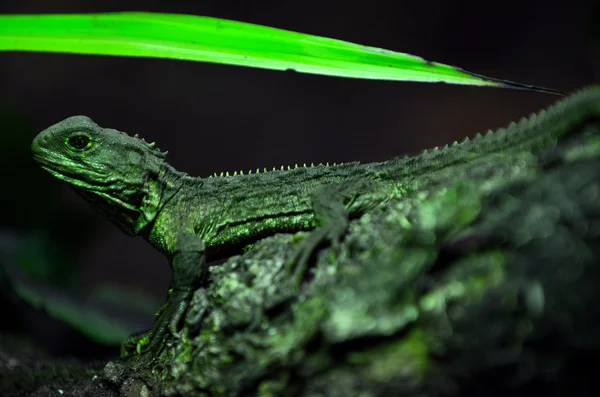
(223, 118)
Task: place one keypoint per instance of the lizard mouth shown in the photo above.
(57, 174)
(102, 188)
(73, 176)
(41, 160)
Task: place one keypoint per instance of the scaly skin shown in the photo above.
(194, 220)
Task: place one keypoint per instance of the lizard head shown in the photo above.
(113, 171)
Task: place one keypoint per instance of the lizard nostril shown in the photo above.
(43, 140)
(38, 142)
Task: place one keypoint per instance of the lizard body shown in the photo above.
(193, 220)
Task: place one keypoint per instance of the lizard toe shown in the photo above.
(299, 264)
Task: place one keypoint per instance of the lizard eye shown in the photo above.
(79, 142)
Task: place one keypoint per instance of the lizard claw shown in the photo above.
(167, 319)
(182, 306)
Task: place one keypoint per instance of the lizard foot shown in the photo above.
(167, 319)
(331, 204)
(331, 233)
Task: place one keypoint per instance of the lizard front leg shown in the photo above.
(188, 273)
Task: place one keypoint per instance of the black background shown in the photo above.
(223, 118)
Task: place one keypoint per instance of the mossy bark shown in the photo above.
(485, 284)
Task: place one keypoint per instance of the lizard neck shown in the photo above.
(162, 183)
(133, 203)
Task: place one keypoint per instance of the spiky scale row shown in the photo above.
(282, 168)
(152, 146)
(523, 124)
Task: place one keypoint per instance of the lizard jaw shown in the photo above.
(71, 181)
(84, 187)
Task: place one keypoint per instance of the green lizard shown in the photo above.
(193, 220)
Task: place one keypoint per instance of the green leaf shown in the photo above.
(105, 314)
(196, 38)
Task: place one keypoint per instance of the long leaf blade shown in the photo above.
(197, 38)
